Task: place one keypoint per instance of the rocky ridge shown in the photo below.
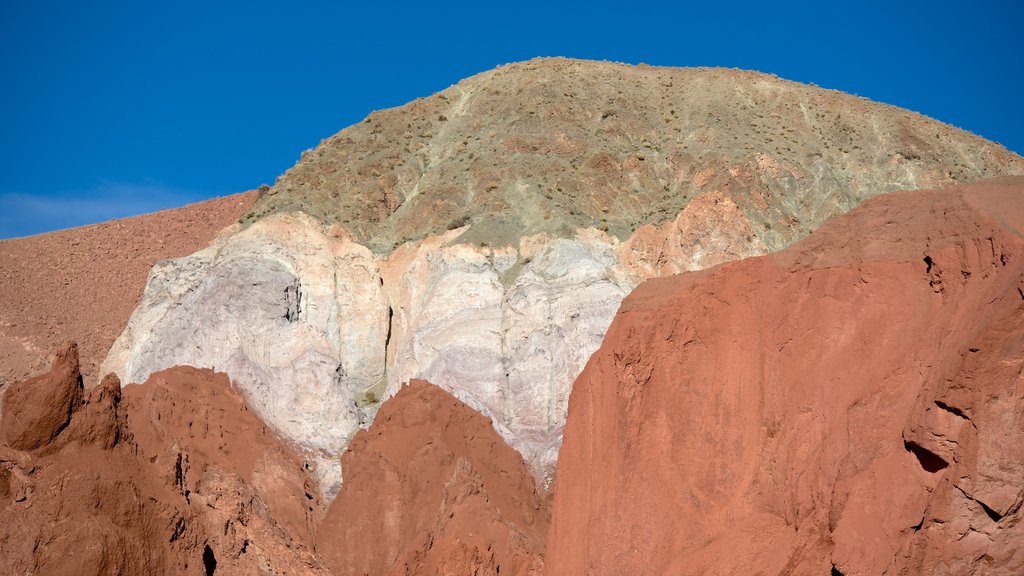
(427, 243)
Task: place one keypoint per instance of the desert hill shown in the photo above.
(553, 145)
(849, 405)
(482, 238)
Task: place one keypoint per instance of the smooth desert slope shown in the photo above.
(83, 283)
(854, 403)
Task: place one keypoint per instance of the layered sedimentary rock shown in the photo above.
(430, 488)
(852, 404)
(174, 476)
(483, 237)
(83, 283)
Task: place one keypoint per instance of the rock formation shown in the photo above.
(177, 476)
(83, 284)
(431, 488)
(483, 237)
(174, 476)
(852, 404)
(40, 408)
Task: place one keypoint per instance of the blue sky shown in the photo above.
(112, 109)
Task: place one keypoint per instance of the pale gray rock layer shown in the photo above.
(317, 331)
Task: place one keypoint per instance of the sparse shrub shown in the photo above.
(459, 222)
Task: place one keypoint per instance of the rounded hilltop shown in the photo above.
(554, 144)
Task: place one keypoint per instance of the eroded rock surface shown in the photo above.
(174, 476)
(853, 404)
(430, 488)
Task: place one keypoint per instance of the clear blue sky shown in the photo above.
(112, 109)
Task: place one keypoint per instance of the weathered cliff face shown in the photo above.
(430, 488)
(174, 476)
(854, 403)
(294, 315)
(482, 238)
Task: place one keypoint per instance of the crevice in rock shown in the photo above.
(209, 560)
(928, 262)
(387, 341)
(179, 474)
(293, 302)
(992, 514)
(951, 409)
(179, 529)
(835, 571)
(930, 461)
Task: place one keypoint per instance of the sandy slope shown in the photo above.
(83, 283)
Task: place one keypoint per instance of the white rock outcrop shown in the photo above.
(316, 331)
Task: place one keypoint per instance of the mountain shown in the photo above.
(482, 238)
(778, 361)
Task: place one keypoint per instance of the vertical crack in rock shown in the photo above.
(387, 339)
(293, 301)
(209, 560)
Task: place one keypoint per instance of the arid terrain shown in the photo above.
(82, 284)
(564, 317)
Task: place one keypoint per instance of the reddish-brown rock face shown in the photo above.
(854, 403)
(41, 407)
(174, 476)
(431, 488)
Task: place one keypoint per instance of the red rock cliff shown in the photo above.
(854, 404)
